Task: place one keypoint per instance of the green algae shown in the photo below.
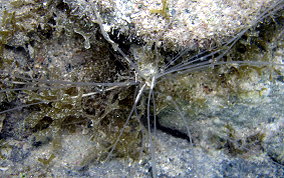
(7, 31)
(5, 149)
(46, 161)
(163, 11)
(242, 146)
(64, 110)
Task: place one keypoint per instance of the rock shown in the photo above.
(63, 123)
(174, 24)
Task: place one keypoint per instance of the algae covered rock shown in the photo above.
(76, 78)
(235, 109)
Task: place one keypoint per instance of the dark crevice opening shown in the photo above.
(173, 132)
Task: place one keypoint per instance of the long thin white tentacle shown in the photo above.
(152, 145)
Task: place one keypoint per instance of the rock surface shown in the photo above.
(176, 24)
(235, 114)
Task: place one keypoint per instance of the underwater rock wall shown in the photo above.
(66, 93)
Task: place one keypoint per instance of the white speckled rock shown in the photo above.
(176, 23)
